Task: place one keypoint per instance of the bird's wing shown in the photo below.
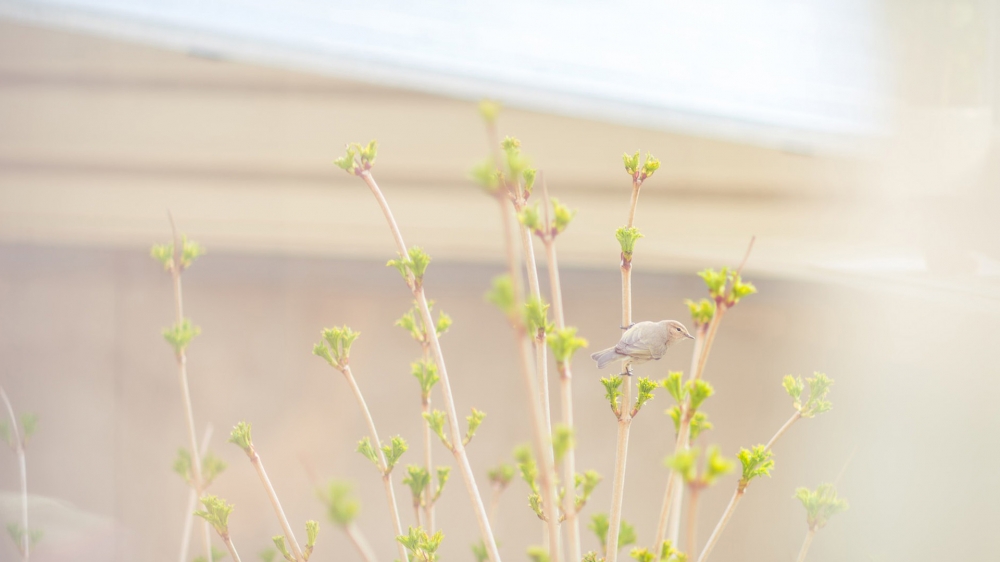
(635, 341)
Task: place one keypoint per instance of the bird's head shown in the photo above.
(677, 331)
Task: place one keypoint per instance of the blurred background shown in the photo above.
(858, 140)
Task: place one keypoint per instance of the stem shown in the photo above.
(692, 522)
(542, 440)
(259, 466)
(193, 503)
(737, 495)
(425, 407)
(541, 364)
(625, 417)
(175, 273)
(23, 469)
(495, 502)
(231, 548)
(795, 417)
(390, 493)
(458, 449)
(353, 533)
(805, 545)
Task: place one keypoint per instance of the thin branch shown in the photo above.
(231, 548)
(175, 273)
(193, 502)
(425, 408)
(273, 496)
(458, 448)
(795, 417)
(390, 493)
(726, 515)
(22, 464)
(805, 545)
(691, 544)
(359, 542)
(625, 417)
(541, 439)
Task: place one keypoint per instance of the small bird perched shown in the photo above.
(641, 342)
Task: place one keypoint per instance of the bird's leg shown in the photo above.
(628, 371)
(627, 327)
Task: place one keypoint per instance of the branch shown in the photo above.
(458, 449)
(25, 545)
(193, 502)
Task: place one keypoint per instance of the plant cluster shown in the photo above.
(556, 492)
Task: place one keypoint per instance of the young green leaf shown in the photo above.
(335, 347)
(502, 294)
(529, 469)
(475, 419)
(816, 403)
(684, 463)
(645, 387)
(486, 175)
(675, 385)
(180, 335)
(426, 374)
(756, 462)
(564, 344)
(627, 237)
(649, 166)
(479, 552)
(715, 281)
(395, 449)
(368, 451)
(586, 482)
(279, 543)
(536, 316)
(417, 479)
(347, 162)
(612, 385)
(562, 441)
(821, 504)
(501, 475)
(715, 466)
(312, 529)
(699, 423)
(531, 218)
(701, 311)
(538, 554)
(422, 546)
(443, 473)
(341, 507)
(699, 391)
(561, 216)
(216, 512)
(435, 419)
(631, 163)
(240, 436)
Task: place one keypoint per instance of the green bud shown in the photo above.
(627, 237)
(443, 323)
(701, 311)
(426, 374)
(536, 316)
(794, 387)
(643, 555)
(279, 543)
(216, 512)
(479, 552)
(217, 554)
(675, 386)
(486, 175)
(347, 161)
(240, 436)
(821, 504)
(631, 162)
(535, 503)
(561, 216)
(591, 557)
(684, 463)
(420, 544)
(715, 281)
(599, 525)
(180, 335)
(501, 475)
(336, 346)
(502, 294)
(529, 179)
(612, 392)
(530, 218)
(417, 479)
(164, 253)
(562, 441)
(756, 462)
(564, 344)
(365, 448)
(816, 403)
(699, 391)
(739, 289)
(342, 507)
(699, 423)
(538, 554)
(211, 467)
(586, 483)
(267, 554)
(715, 466)
(312, 529)
(29, 423)
(529, 468)
(489, 110)
(443, 473)
(414, 264)
(475, 419)
(649, 167)
(435, 419)
(646, 388)
(368, 153)
(395, 449)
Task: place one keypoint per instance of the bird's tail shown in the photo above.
(604, 357)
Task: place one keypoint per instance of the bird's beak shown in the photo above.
(689, 336)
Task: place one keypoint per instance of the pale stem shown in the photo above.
(359, 542)
(692, 522)
(495, 503)
(683, 442)
(23, 469)
(805, 545)
(542, 440)
(661, 525)
(795, 417)
(541, 363)
(193, 503)
(737, 495)
(259, 467)
(175, 273)
(231, 548)
(425, 407)
(625, 415)
(390, 493)
(457, 448)
(566, 394)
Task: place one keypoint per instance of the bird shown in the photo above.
(641, 342)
